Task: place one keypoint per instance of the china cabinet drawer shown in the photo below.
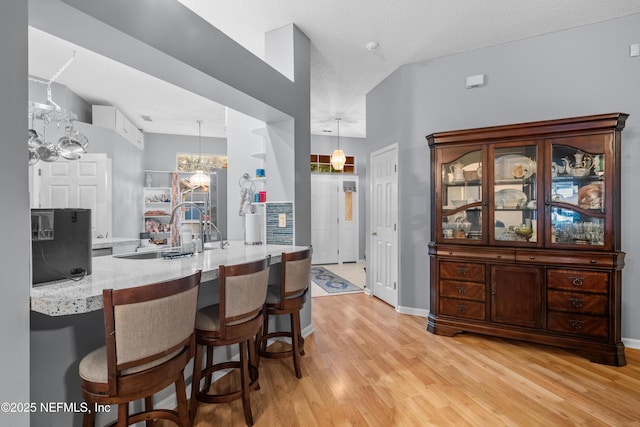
(566, 257)
(462, 271)
(578, 280)
(577, 302)
(462, 308)
(477, 253)
(464, 290)
(578, 324)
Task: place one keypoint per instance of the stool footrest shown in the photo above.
(206, 397)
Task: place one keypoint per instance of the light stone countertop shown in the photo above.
(66, 297)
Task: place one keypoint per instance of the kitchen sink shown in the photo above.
(141, 255)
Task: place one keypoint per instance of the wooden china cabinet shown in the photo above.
(526, 233)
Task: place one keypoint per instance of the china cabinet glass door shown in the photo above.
(577, 196)
(462, 196)
(515, 195)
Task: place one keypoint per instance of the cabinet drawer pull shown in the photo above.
(461, 272)
(577, 281)
(498, 256)
(532, 257)
(577, 303)
(450, 252)
(593, 261)
(576, 324)
(462, 309)
(461, 290)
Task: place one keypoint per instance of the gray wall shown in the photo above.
(577, 72)
(324, 144)
(15, 224)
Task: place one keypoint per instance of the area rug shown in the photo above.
(331, 282)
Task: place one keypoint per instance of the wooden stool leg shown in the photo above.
(295, 343)
(195, 384)
(123, 415)
(148, 406)
(208, 364)
(181, 397)
(245, 381)
(265, 332)
(88, 419)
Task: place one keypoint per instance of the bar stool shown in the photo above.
(149, 334)
(235, 319)
(288, 297)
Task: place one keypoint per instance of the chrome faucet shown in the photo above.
(200, 248)
(222, 242)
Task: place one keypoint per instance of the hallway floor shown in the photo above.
(353, 272)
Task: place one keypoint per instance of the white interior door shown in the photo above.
(324, 219)
(348, 218)
(383, 264)
(80, 184)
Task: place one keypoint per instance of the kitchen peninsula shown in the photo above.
(67, 319)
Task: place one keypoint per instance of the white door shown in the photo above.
(348, 218)
(383, 264)
(324, 219)
(83, 183)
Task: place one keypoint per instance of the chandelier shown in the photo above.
(338, 158)
(70, 146)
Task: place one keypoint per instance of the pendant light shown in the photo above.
(338, 158)
(200, 179)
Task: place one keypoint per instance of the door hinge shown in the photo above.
(39, 172)
(395, 227)
(394, 285)
(395, 168)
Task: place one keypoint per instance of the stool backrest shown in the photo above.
(243, 291)
(295, 274)
(149, 325)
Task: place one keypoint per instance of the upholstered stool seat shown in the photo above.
(288, 298)
(235, 319)
(149, 334)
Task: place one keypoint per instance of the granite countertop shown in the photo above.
(110, 242)
(66, 297)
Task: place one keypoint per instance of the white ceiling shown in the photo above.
(343, 70)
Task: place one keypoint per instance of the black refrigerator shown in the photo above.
(60, 244)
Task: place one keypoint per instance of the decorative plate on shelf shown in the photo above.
(510, 199)
(590, 196)
(514, 166)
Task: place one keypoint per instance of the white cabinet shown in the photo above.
(112, 118)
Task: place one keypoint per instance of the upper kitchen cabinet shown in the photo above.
(112, 118)
(526, 233)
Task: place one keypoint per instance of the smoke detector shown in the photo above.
(372, 45)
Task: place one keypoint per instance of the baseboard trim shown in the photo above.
(412, 311)
(631, 343)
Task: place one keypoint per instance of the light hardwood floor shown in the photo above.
(367, 365)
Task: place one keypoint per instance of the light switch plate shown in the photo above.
(474, 81)
(634, 49)
(282, 220)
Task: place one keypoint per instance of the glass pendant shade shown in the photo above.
(200, 179)
(338, 159)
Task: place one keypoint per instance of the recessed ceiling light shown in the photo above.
(372, 45)
(146, 118)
